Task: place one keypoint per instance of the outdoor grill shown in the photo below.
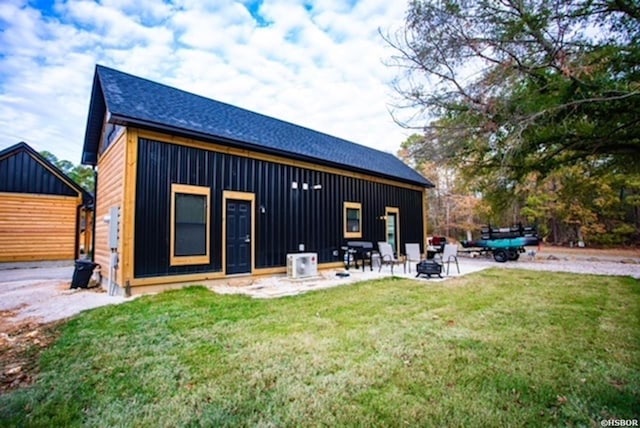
(358, 250)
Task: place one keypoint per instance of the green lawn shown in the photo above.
(496, 348)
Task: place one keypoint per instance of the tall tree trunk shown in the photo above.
(554, 230)
(447, 214)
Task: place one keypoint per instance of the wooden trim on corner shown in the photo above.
(128, 214)
(425, 219)
(217, 147)
(242, 196)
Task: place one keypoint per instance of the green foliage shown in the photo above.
(525, 88)
(511, 90)
(82, 175)
(497, 348)
(580, 203)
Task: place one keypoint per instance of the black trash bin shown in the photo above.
(82, 273)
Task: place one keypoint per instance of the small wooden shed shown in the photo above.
(190, 189)
(44, 215)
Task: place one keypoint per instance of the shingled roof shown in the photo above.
(133, 101)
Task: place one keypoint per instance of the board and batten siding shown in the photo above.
(110, 191)
(284, 217)
(37, 227)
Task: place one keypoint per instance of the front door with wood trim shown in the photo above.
(238, 236)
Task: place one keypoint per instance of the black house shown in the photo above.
(190, 189)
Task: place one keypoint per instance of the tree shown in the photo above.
(453, 208)
(573, 203)
(520, 86)
(82, 175)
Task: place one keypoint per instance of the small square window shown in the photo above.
(352, 220)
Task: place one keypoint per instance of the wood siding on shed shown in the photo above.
(110, 193)
(37, 227)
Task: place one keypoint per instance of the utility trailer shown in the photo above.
(505, 243)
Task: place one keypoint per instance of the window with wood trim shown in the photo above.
(352, 220)
(190, 224)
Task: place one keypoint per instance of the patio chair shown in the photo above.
(412, 254)
(450, 253)
(387, 256)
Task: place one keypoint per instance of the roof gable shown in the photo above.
(131, 100)
(23, 170)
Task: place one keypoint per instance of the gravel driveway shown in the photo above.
(43, 294)
(595, 265)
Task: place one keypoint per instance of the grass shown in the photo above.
(497, 348)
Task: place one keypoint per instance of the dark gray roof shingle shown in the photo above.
(136, 101)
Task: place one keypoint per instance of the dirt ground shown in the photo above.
(20, 346)
(33, 303)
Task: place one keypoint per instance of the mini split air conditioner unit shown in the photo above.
(302, 265)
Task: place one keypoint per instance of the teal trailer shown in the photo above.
(505, 243)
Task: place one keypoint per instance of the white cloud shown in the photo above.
(216, 29)
(319, 67)
(114, 27)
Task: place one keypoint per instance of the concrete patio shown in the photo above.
(43, 292)
(280, 285)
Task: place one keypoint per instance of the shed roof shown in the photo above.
(24, 170)
(134, 101)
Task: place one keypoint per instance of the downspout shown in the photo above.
(76, 251)
(95, 206)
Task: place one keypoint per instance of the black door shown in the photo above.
(238, 236)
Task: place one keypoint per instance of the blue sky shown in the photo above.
(319, 64)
